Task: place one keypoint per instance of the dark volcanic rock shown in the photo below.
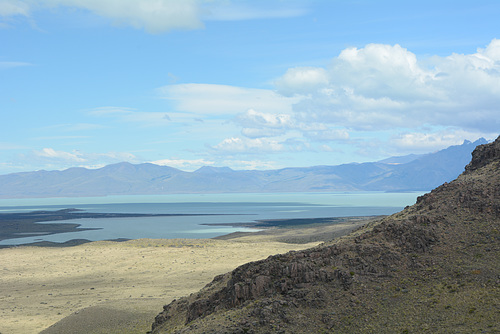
(483, 155)
(431, 268)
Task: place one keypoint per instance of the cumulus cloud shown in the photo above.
(363, 91)
(258, 124)
(382, 87)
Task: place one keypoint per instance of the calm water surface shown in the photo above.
(224, 208)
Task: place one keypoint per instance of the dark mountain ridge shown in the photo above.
(414, 173)
(431, 268)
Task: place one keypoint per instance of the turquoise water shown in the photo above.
(223, 208)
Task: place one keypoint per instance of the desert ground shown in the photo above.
(119, 287)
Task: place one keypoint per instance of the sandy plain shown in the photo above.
(119, 287)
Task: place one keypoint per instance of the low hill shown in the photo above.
(410, 173)
(432, 268)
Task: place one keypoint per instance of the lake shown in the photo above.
(222, 208)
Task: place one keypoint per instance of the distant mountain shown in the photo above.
(401, 159)
(414, 172)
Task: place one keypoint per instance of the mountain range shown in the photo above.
(406, 173)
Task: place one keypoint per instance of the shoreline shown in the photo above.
(30, 227)
(26, 224)
(291, 222)
(67, 289)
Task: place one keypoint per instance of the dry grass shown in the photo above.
(41, 286)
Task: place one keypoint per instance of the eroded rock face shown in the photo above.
(406, 246)
(372, 254)
(484, 155)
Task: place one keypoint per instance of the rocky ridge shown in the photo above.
(432, 268)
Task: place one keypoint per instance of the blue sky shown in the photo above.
(245, 84)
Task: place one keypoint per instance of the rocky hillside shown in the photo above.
(432, 268)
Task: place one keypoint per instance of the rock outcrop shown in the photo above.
(433, 267)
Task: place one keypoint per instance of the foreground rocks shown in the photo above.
(431, 268)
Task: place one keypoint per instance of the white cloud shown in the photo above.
(157, 16)
(424, 142)
(13, 8)
(184, 164)
(212, 100)
(302, 80)
(379, 70)
(260, 133)
(265, 119)
(154, 16)
(258, 124)
(363, 90)
(326, 148)
(59, 155)
(328, 135)
(385, 87)
(245, 145)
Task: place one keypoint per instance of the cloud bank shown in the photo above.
(383, 87)
(382, 98)
(423, 103)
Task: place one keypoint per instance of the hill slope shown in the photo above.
(432, 268)
(398, 174)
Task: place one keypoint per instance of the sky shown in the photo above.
(248, 84)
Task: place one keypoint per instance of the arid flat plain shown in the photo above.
(119, 287)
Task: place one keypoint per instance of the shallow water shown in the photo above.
(223, 208)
